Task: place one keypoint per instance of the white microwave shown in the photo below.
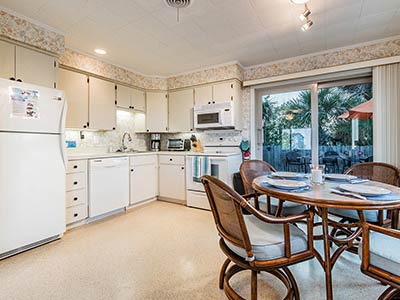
(214, 116)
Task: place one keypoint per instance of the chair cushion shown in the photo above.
(289, 208)
(267, 240)
(371, 216)
(384, 252)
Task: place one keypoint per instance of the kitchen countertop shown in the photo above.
(88, 155)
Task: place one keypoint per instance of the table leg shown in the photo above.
(327, 254)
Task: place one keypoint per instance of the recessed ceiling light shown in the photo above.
(100, 51)
(307, 26)
(299, 1)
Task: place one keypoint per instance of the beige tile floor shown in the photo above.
(157, 251)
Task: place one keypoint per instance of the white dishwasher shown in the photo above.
(108, 185)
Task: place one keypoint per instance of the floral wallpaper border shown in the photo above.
(26, 32)
(380, 49)
(212, 74)
(92, 65)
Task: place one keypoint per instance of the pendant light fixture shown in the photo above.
(305, 16)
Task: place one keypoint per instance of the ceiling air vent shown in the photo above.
(178, 4)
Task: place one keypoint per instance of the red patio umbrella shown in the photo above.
(363, 111)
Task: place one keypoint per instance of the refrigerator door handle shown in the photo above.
(63, 150)
(62, 133)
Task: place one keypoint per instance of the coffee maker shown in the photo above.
(155, 142)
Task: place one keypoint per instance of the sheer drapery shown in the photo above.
(386, 89)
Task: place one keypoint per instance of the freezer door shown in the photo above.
(32, 189)
(30, 108)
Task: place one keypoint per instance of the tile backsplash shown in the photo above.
(110, 141)
(100, 141)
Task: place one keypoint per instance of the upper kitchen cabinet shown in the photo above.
(23, 64)
(75, 86)
(225, 91)
(123, 97)
(181, 111)
(203, 95)
(34, 67)
(217, 93)
(156, 112)
(138, 100)
(102, 108)
(7, 60)
(129, 98)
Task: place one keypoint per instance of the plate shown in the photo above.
(340, 177)
(364, 190)
(287, 174)
(286, 184)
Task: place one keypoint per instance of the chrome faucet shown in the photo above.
(124, 147)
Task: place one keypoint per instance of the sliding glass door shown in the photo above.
(286, 118)
(329, 123)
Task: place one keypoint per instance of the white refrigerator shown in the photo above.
(32, 166)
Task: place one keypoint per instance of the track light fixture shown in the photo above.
(304, 16)
(307, 25)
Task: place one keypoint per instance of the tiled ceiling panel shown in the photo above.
(145, 35)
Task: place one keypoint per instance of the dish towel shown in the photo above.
(205, 166)
(196, 168)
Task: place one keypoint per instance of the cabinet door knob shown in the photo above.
(209, 102)
(213, 102)
(75, 182)
(131, 170)
(19, 80)
(76, 214)
(183, 168)
(84, 126)
(12, 78)
(76, 198)
(75, 167)
(170, 159)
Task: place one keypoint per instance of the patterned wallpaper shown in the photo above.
(89, 64)
(206, 76)
(379, 49)
(26, 32)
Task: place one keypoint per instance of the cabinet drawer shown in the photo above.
(76, 166)
(172, 160)
(77, 197)
(143, 160)
(76, 213)
(76, 181)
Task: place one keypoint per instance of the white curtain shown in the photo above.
(386, 90)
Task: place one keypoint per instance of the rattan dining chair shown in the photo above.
(256, 242)
(251, 169)
(380, 258)
(376, 171)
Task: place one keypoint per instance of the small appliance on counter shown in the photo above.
(175, 145)
(155, 142)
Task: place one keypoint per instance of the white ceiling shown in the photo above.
(143, 35)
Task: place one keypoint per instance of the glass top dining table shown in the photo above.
(320, 199)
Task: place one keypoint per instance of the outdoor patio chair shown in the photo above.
(331, 161)
(250, 169)
(381, 259)
(294, 159)
(257, 242)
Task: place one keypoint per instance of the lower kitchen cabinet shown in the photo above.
(144, 178)
(172, 178)
(76, 191)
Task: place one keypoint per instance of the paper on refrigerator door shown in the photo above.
(24, 103)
